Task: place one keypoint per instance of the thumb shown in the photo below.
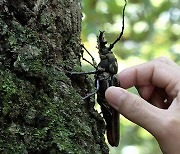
(135, 109)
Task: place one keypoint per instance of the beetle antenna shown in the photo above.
(122, 31)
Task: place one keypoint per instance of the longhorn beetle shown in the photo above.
(105, 76)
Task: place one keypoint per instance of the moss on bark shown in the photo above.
(41, 109)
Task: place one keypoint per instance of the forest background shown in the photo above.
(152, 29)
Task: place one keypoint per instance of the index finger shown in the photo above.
(161, 73)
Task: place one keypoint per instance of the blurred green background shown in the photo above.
(152, 29)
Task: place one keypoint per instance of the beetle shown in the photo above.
(105, 76)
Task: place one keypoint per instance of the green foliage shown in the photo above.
(152, 29)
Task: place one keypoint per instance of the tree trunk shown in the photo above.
(41, 108)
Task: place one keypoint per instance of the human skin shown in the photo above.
(157, 109)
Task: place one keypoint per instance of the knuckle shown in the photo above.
(163, 59)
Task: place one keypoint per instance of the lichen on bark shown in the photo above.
(41, 108)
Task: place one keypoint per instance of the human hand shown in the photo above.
(158, 108)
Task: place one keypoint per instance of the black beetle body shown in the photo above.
(106, 77)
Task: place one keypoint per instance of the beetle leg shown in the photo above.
(91, 94)
(81, 73)
(93, 60)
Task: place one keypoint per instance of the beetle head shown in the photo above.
(103, 49)
(101, 39)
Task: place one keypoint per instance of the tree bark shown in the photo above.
(41, 107)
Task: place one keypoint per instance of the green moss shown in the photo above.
(7, 86)
(3, 27)
(40, 111)
(77, 68)
(12, 40)
(42, 118)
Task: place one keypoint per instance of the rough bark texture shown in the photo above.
(41, 108)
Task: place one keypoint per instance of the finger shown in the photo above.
(157, 73)
(155, 96)
(145, 91)
(135, 109)
(167, 61)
